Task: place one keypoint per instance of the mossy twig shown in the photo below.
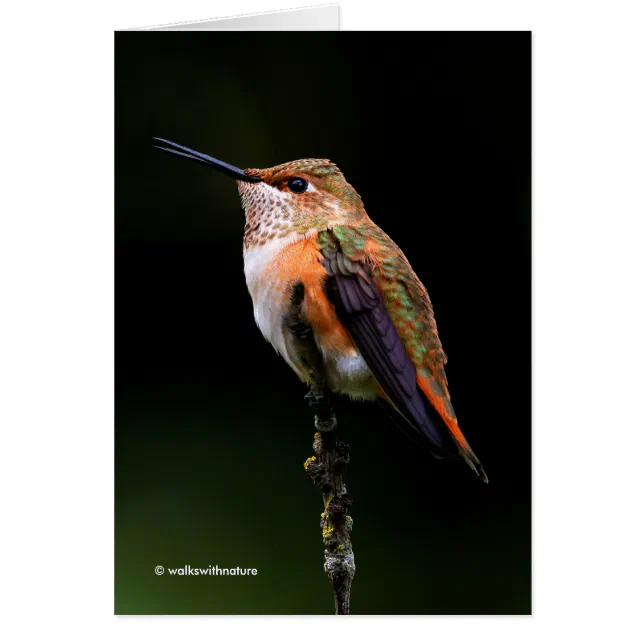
(326, 470)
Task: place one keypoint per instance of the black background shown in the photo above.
(433, 131)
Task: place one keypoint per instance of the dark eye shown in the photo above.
(297, 185)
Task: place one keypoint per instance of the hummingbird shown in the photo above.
(337, 298)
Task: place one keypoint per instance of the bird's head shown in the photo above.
(296, 196)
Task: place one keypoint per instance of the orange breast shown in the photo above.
(300, 262)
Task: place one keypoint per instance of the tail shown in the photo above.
(444, 416)
(471, 459)
(431, 432)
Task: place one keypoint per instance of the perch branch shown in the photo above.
(326, 470)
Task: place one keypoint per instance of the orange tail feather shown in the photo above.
(444, 407)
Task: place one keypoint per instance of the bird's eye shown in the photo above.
(297, 185)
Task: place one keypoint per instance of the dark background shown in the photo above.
(433, 131)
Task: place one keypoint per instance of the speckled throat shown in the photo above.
(273, 211)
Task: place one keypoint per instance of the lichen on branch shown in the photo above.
(326, 470)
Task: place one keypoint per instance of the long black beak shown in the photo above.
(180, 150)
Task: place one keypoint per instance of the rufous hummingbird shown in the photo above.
(337, 298)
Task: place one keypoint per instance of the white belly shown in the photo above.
(350, 375)
(269, 295)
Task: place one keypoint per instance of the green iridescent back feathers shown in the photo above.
(404, 296)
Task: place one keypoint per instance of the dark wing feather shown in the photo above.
(361, 309)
